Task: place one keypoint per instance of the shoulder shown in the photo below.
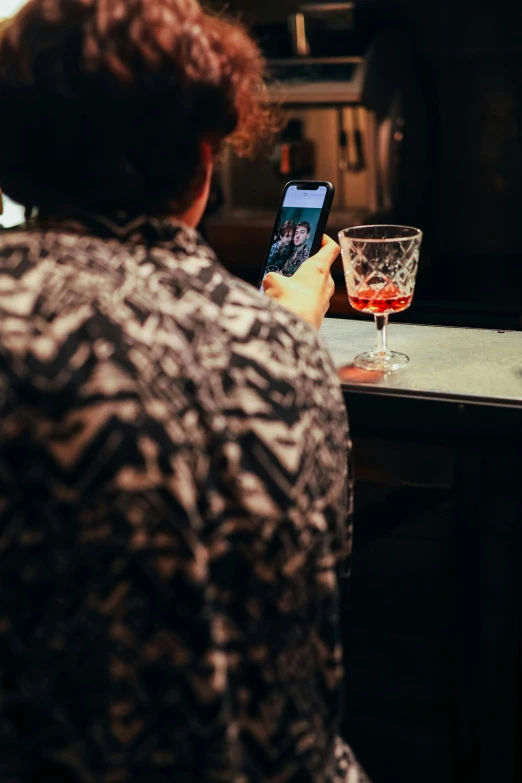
(55, 253)
(48, 276)
(269, 353)
(284, 421)
(51, 321)
(27, 264)
(236, 313)
(243, 338)
(25, 243)
(223, 323)
(263, 329)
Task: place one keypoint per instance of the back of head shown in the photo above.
(104, 104)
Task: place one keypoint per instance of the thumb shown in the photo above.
(325, 257)
(275, 284)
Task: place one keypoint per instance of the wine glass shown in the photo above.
(380, 266)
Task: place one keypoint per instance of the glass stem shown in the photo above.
(381, 322)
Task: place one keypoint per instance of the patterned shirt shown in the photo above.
(278, 256)
(295, 260)
(173, 500)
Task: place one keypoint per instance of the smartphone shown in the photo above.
(299, 226)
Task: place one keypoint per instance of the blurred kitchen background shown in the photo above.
(413, 110)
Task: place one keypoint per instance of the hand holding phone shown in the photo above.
(296, 271)
(299, 226)
(308, 292)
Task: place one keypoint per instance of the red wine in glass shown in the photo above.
(389, 299)
(380, 265)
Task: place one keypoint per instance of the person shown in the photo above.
(174, 482)
(301, 249)
(282, 248)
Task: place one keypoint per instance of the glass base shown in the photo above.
(381, 362)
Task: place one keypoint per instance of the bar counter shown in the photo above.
(468, 365)
(453, 418)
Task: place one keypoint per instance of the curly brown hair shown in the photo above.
(286, 227)
(104, 104)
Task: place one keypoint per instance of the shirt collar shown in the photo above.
(140, 229)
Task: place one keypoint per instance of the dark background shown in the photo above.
(399, 642)
(470, 63)
(471, 55)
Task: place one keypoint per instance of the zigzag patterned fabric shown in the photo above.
(174, 514)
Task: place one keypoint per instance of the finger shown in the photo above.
(326, 239)
(269, 281)
(329, 294)
(325, 257)
(331, 287)
(274, 283)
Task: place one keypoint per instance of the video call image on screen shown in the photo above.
(295, 232)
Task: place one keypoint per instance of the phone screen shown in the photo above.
(295, 229)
